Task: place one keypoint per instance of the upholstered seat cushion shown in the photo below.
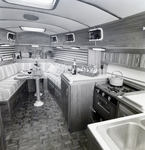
(54, 73)
(55, 79)
(8, 87)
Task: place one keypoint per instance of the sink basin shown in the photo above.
(126, 133)
(128, 136)
(142, 122)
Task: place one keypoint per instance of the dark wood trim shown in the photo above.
(2, 135)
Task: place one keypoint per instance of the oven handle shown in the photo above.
(99, 103)
(93, 110)
(102, 99)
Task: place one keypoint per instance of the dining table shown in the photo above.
(37, 78)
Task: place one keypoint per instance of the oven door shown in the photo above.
(104, 107)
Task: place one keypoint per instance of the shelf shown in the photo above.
(127, 66)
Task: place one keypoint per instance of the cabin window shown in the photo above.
(43, 4)
(96, 34)
(70, 37)
(53, 39)
(11, 36)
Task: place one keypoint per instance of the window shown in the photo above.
(43, 4)
(70, 37)
(11, 36)
(53, 39)
(96, 34)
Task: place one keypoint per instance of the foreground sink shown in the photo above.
(142, 121)
(128, 136)
(126, 133)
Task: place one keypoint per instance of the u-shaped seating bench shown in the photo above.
(13, 92)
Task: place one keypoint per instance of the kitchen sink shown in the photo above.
(126, 133)
(142, 121)
(128, 136)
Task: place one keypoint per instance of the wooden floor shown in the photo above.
(42, 128)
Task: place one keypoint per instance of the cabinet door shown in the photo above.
(2, 136)
(108, 57)
(64, 98)
(136, 60)
(142, 62)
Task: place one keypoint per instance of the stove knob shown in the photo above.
(98, 90)
(109, 98)
(103, 94)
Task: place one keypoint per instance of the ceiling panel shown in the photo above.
(54, 20)
(121, 8)
(84, 13)
(69, 15)
(17, 24)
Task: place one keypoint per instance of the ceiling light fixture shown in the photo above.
(34, 45)
(75, 47)
(33, 29)
(98, 49)
(4, 45)
(60, 47)
(43, 4)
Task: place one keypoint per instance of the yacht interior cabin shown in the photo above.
(72, 75)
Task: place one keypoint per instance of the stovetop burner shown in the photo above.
(116, 90)
(113, 89)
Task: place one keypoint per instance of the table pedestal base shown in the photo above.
(38, 103)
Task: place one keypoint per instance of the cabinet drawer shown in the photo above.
(57, 95)
(51, 87)
(4, 108)
(14, 103)
(24, 93)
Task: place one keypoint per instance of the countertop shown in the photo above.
(76, 78)
(134, 99)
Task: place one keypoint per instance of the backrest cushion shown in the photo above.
(2, 73)
(52, 69)
(8, 71)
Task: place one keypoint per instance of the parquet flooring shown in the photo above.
(42, 128)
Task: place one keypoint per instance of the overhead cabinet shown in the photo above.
(131, 60)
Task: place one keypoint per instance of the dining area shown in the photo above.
(34, 73)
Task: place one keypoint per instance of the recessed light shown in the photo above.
(98, 49)
(60, 47)
(4, 45)
(32, 29)
(34, 45)
(75, 47)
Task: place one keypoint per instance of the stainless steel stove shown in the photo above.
(105, 98)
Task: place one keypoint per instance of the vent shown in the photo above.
(30, 17)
